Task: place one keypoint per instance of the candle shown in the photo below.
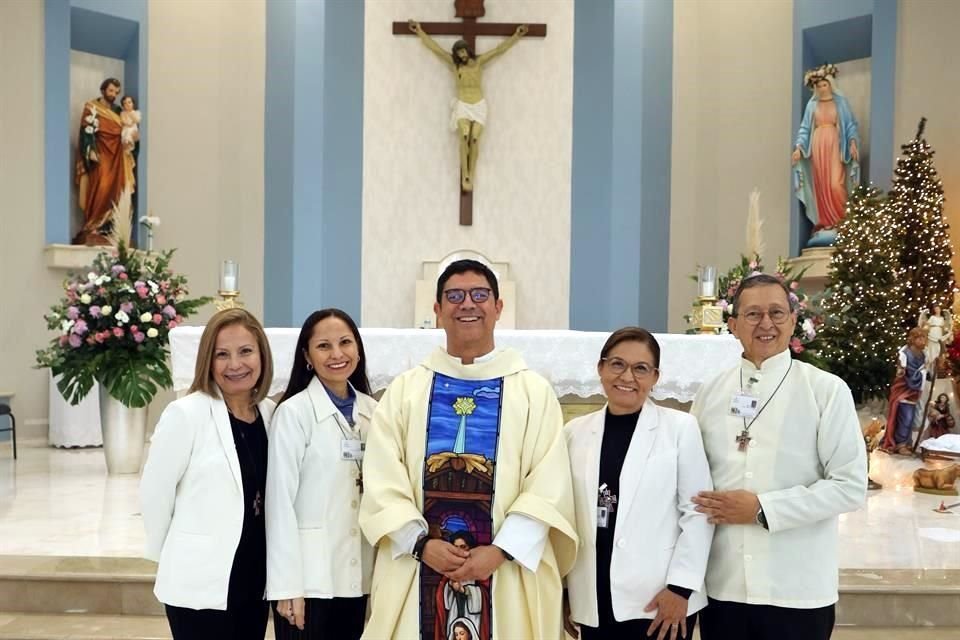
(229, 276)
(707, 281)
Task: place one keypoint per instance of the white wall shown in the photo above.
(731, 132)
(410, 183)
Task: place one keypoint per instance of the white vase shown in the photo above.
(124, 434)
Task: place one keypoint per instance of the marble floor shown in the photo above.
(61, 502)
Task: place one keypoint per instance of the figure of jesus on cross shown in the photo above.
(469, 113)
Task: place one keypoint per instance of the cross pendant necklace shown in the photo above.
(257, 503)
(743, 440)
(359, 483)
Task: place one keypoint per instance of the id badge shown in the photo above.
(744, 405)
(603, 517)
(352, 450)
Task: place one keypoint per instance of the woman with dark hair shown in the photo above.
(318, 564)
(643, 546)
(202, 490)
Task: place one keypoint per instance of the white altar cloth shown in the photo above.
(568, 359)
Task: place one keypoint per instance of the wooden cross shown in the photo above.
(468, 29)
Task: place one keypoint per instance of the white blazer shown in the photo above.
(191, 497)
(660, 539)
(314, 545)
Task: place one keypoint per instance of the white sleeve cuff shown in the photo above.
(405, 538)
(524, 538)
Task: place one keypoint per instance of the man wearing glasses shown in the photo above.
(786, 454)
(469, 441)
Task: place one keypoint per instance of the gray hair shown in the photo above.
(761, 280)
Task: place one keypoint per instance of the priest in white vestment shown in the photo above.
(471, 440)
(786, 453)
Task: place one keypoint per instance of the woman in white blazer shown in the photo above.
(318, 563)
(203, 487)
(643, 546)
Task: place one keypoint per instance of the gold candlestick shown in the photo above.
(230, 300)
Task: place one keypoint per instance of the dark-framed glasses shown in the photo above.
(477, 294)
(755, 316)
(639, 370)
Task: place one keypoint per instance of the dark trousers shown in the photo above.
(737, 621)
(238, 622)
(611, 629)
(325, 619)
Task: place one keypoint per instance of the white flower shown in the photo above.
(121, 316)
(85, 298)
(91, 276)
(106, 310)
(152, 332)
(65, 326)
(154, 287)
(146, 316)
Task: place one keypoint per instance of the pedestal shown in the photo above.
(816, 261)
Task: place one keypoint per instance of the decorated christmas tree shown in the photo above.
(861, 334)
(924, 271)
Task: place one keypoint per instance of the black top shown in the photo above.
(617, 434)
(248, 577)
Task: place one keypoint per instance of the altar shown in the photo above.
(568, 359)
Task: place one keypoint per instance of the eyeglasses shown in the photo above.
(639, 370)
(477, 294)
(777, 316)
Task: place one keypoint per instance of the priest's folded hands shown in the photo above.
(443, 557)
(481, 564)
(728, 507)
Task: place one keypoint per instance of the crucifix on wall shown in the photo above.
(469, 115)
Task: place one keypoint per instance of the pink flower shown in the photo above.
(169, 311)
(161, 299)
(794, 299)
(795, 345)
(123, 276)
(794, 285)
(139, 337)
(134, 328)
(95, 311)
(118, 332)
(179, 319)
(142, 292)
(80, 327)
(172, 324)
(753, 264)
(75, 341)
(157, 318)
(164, 285)
(63, 341)
(101, 291)
(126, 307)
(90, 339)
(73, 313)
(100, 336)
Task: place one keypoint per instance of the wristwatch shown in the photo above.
(417, 552)
(761, 519)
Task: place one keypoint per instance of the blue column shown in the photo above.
(313, 168)
(56, 142)
(620, 209)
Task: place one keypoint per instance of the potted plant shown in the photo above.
(113, 325)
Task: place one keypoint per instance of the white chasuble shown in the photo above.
(457, 448)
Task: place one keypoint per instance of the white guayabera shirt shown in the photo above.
(806, 462)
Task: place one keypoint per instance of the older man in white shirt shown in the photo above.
(786, 454)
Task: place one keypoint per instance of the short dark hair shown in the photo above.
(457, 46)
(300, 376)
(761, 280)
(464, 266)
(109, 81)
(131, 97)
(632, 334)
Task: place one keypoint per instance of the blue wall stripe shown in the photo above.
(313, 169)
(883, 148)
(56, 143)
(620, 196)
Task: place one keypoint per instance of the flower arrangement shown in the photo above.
(114, 324)
(809, 320)
(953, 356)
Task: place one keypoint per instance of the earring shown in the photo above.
(309, 367)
